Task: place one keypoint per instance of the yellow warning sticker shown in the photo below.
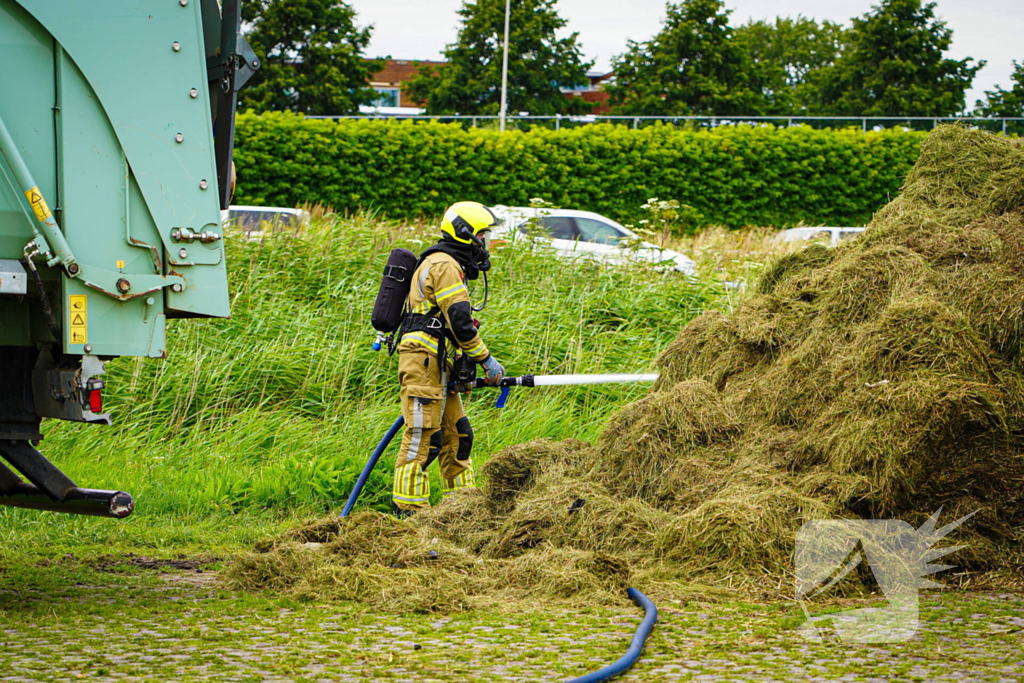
(38, 204)
(78, 318)
(120, 264)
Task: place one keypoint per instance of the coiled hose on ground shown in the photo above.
(636, 645)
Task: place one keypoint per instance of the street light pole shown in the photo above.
(504, 67)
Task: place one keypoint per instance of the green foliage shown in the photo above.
(788, 56)
(539, 63)
(693, 66)
(733, 176)
(312, 57)
(895, 66)
(281, 405)
(999, 102)
(890, 63)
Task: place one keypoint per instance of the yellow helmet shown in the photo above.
(465, 220)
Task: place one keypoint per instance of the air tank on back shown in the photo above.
(116, 135)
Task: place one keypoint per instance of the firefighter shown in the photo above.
(438, 331)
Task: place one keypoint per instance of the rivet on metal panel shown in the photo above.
(123, 285)
(179, 138)
(88, 348)
(176, 46)
(203, 184)
(176, 287)
(193, 93)
(184, 3)
(183, 253)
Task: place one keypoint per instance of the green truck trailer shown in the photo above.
(116, 134)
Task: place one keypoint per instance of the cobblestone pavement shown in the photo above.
(178, 626)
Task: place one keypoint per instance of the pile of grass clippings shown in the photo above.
(882, 378)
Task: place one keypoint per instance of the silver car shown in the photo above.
(831, 235)
(252, 219)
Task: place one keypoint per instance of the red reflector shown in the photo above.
(95, 401)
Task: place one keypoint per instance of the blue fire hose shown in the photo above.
(370, 464)
(636, 646)
(505, 385)
(382, 446)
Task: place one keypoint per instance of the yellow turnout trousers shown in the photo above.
(436, 428)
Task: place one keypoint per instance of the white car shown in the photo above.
(583, 234)
(833, 235)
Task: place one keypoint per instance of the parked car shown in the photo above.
(583, 234)
(833, 235)
(251, 219)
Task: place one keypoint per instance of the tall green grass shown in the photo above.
(279, 406)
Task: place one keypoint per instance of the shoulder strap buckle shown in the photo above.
(389, 272)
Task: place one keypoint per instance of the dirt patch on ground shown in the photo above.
(879, 379)
(129, 561)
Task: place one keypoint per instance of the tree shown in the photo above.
(895, 66)
(693, 65)
(312, 57)
(539, 63)
(787, 56)
(1004, 103)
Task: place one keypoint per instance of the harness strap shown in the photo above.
(431, 322)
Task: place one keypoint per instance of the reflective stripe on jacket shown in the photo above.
(438, 284)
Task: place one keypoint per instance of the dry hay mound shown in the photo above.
(878, 379)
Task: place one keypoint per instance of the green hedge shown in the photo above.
(734, 175)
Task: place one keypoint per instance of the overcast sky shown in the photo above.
(992, 30)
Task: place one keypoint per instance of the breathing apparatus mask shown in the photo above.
(479, 247)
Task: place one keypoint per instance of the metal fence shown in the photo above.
(1011, 125)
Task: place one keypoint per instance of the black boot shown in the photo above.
(400, 513)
